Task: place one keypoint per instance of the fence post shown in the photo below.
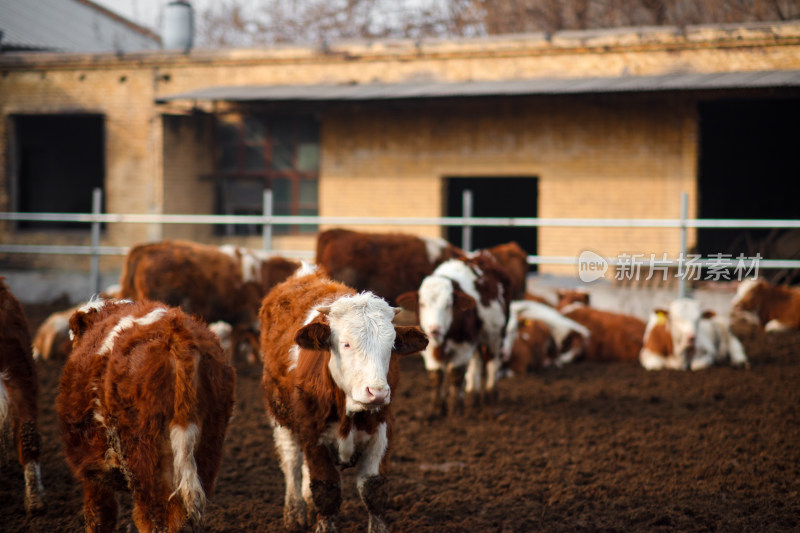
(97, 200)
(466, 212)
(266, 233)
(682, 257)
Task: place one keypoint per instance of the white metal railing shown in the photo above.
(466, 221)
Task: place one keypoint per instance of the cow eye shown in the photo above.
(345, 344)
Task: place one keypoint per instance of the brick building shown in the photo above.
(613, 123)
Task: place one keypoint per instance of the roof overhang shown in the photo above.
(541, 86)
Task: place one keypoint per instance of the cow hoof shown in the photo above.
(325, 525)
(294, 518)
(376, 525)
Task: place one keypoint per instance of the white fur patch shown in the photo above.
(128, 322)
(434, 247)
(186, 481)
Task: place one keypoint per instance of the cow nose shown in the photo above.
(435, 332)
(378, 393)
(691, 339)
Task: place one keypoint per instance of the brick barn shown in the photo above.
(613, 123)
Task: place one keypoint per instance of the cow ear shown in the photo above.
(408, 340)
(314, 336)
(708, 313)
(409, 301)
(78, 324)
(463, 301)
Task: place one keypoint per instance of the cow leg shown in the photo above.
(492, 369)
(326, 487)
(99, 503)
(294, 507)
(23, 410)
(371, 485)
(457, 389)
(473, 379)
(436, 380)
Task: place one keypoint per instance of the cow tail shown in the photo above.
(185, 434)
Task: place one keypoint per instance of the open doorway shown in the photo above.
(495, 197)
(57, 161)
(749, 168)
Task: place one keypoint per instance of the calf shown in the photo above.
(614, 336)
(569, 337)
(463, 309)
(684, 337)
(329, 373)
(215, 283)
(144, 402)
(18, 396)
(533, 348)
(387, 264)
(772, 307)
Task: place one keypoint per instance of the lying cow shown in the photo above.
(569, 337)
(463, 309)
(329, 372)
(225, 283)
(18, 396)
(532, 349)
(614, 336)
(683, 337)
(145, 398)
(387, 264)
(772, 307)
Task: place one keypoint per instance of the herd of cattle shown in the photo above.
(147, 387)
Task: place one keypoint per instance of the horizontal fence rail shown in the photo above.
(267, 221)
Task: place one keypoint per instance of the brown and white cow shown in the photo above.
(684, 337)
(463, 309)
(515, 260)
(569, 337)
(144, 402)
(613, 336)
(329, 373)
(387, 264)
(533, 348)
(215, 283)
(772, 307)
(18, 396)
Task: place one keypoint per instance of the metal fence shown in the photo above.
(467, 221)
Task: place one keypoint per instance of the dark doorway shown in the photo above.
(495, 197)
(748, 168)
(58, 161)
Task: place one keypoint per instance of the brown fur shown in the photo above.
(169, 373)
(515, 260)
(567, 296)
(773, 302)
(659, 340)
(613, 336)
(533, 348)
(386, 264)
(19, 378)
(307, 400)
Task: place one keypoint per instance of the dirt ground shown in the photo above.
(591, 447)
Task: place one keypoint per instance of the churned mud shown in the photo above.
(589, 447)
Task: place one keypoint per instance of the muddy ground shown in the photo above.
(591, 447)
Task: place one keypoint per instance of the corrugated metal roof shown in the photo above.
(400, 91)
(70, 26)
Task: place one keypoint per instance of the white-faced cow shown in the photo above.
(18, 396)
(570, 338)
(387, 264)
(144, 402)
(223, 283)
(463, 309)
(614, 336)
(330, 370)
(684, 337)
(772, 307)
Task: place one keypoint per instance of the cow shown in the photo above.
(569, 337)
(387, 264)
(515, 260)
(613, 336)
(18, 397)
(532, 349)
(330, 369)
(144, 403)
(771, 307)
(223, 283)
(684, 337)
(463, 309)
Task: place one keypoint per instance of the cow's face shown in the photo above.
(361, 338)
(683, 321)
(568, 297)
(440, 301)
